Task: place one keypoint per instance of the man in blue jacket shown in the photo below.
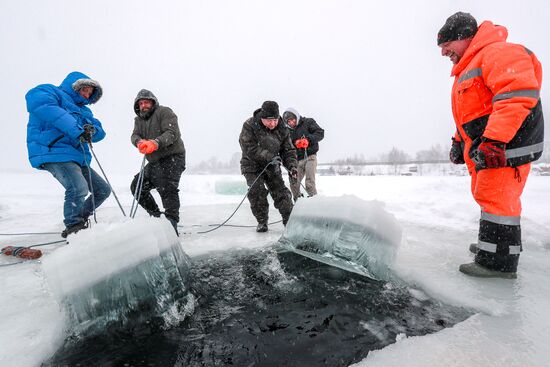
(59, 130)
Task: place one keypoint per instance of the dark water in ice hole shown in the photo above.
(266, 309)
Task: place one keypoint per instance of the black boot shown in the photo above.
(155, 213)
(74, 228)
(174, 224)
(262, 227)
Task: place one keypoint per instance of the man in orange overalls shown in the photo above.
(499, 132)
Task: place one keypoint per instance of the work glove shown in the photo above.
(86, 136)
(489, 154)
(301, 143)
(276, 161)
(456, 154)
(147, 146)
(294, 173)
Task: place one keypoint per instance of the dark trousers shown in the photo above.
(270, 182)
(163, 175)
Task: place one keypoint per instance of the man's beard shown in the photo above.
(146, 114)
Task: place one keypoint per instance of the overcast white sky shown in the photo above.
(369, 72)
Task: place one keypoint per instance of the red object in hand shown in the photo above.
(147, 146)
(22, 252)
(491, 154)
(301, 143)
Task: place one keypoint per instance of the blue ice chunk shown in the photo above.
(348, 232)
(131, 275)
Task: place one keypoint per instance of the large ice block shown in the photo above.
(123, 275)
(231, 186)
(345, 231)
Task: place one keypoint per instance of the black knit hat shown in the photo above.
(458, 26)
(270, 110)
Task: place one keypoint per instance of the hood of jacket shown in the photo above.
(145, 94)
(76, 80)
(487, 33)
(295, 113)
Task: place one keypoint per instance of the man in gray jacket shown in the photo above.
(157, 135)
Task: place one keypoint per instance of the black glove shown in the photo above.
(86, 136)
(456, 154)
(276, 161)
(294, 173)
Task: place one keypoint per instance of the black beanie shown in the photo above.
(270, 110)
(458, 26)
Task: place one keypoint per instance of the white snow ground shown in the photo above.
(440, 220)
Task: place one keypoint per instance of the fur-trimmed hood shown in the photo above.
(76, 80)
(145, 94)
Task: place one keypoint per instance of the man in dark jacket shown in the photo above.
(305, 134)
(157, 135)
(265, 144)
(60, 127)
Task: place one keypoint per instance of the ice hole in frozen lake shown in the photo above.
(324, 295)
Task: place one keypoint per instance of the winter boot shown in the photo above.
(155, 213)
(473, 248)
(476, 270)
(262, 227)
(75, 228)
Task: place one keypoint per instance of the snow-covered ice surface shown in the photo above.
(439, 221)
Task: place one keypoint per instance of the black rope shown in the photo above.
(19, 262)
(238, 206)
(27, 233)
(46, 243)
(90, 180)
(106, 179)
(137, 192)
(231, 225)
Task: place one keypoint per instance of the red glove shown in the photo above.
(147, 146)
(301, 143)
(490, 154)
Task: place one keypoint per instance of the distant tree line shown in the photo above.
(435, 154)
(213, 165)
(397, 156)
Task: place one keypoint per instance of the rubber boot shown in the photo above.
(476, 270)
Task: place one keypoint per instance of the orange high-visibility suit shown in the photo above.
(496, 95)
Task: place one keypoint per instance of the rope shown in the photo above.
(106, 179)
(26, 233)
(231, 225)
(238, 206)
(137, 192)
(46, 243)
(90, 180)
(19, 262)
(21, 248)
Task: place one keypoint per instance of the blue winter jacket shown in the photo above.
(56, 119)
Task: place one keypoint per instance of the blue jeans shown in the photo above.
(76, 181)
